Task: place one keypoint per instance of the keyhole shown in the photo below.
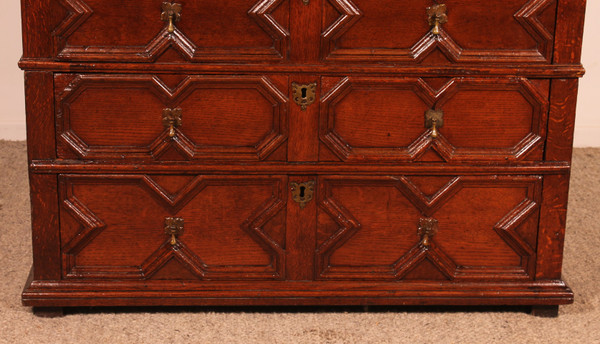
(303, 92)
(302, 188)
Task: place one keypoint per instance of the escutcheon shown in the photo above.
(302, 193)
(304, 95)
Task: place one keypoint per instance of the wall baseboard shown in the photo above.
(13, 131)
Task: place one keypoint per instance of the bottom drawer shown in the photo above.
(427, 228)
(225, 227)
(172, 227)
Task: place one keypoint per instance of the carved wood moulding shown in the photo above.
(432, 99)
(442, 39)
(90, 227)
(171, 36)
(171, 137)
(507, 228)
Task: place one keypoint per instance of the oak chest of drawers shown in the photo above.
(300, 152)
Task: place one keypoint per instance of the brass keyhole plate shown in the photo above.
(304, 95)
(302, 193)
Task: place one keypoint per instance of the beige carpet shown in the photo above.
(577, 323)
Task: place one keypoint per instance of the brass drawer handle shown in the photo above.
(434, 119)
(172, 119)
(306, 2)
(428, 227)
(171, 12)
(304, 95)
(302, 193)
(174, 228)
(437, 16)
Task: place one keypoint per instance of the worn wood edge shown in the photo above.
(568, 33)
(38, 166)
(541, 70)
(94, 300)
(561, 123)
(45, 226)
(28, 283)
(63, 293)
(310, 286)
(552, 227)
(483, 296)
(39, 115)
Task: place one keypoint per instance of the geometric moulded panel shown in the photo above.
(508, 31)
(369, 228)
(123, 117)
(204, 31)
(484, 119)
(226, 227)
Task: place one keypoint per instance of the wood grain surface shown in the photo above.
(107, 171)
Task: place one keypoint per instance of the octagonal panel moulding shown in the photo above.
(111, 30)
(395, 31)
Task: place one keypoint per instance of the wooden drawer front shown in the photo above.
(134, 31)
(368, 227)
(114, 227)
(498, 31)
(384, 119)
(123, 117)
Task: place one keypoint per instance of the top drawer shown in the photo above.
(150, 30)
(454, 31)
(352, 31)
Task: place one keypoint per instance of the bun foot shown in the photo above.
(48, 312)
(545, 311)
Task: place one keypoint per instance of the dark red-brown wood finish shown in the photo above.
(300, 152)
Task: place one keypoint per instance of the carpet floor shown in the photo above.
(577, 323)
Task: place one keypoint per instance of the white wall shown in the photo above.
(12, 99)
(587, 125)
(12, 105)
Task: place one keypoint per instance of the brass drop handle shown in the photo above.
(172, 119)
(171, 12)
(174, 228)
(306, 2)
(437, 16)
(434, 119)
(428, 227)
(434, 132)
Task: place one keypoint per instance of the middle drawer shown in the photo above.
(360, 119)
(171, 117)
